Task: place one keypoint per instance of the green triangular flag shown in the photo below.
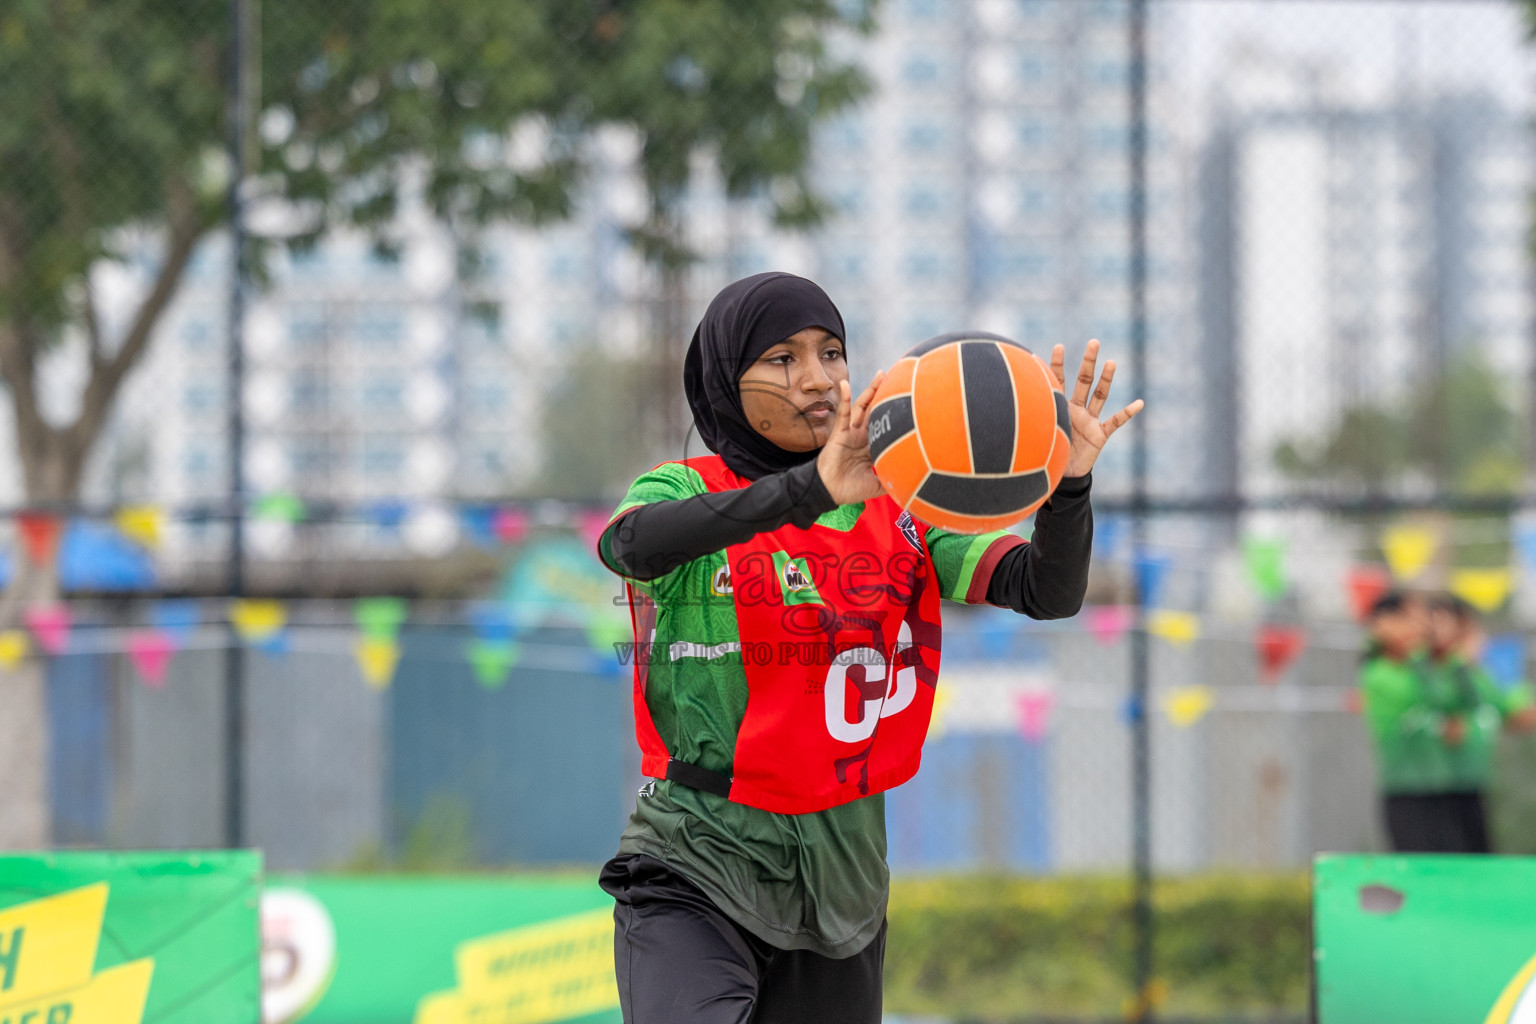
(279, 507)
(1265, 560)
(380, 617)
(492, 661)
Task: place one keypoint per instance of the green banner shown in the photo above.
(382, 949)
(129, 938)
(1425, 939)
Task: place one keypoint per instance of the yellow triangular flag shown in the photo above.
(257, 620)
(14, 645)
(1178, 628)
(377, 658)
(1186, 705)
(140, 524)
(943, 697)
(1408, 549)
(1484, 589)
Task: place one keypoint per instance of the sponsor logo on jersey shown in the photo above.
(794, 578)
(720, 583)
(908, 529)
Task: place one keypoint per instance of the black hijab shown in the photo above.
(745, 320)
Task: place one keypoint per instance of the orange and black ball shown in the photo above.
(969, 432)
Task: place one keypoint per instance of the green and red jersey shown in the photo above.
(772, 662)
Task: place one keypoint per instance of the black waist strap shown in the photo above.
(694, 777)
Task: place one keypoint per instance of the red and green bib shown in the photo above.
(838, 638)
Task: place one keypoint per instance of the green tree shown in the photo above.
(1459, 429)
(114, 118)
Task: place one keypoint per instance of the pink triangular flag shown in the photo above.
(50, 624)
(591, 526)
(1108, 622)
(1034, 707)
(510, 525)
(150, 651)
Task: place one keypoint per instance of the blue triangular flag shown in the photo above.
(1151, 574)
(388, 513)
(1504, 658)
(1131, 711)
(480, 523)
(178, 618)
(1525, 542)
(1109, 535)
(492, 622)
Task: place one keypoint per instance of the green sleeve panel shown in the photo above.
(668, 482)
(955, 558)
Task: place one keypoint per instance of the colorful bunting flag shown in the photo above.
(1408, 549)
(377, 658)
(380, 618)
(150, 652)
(141, 524)
(1132, 711)
(1151, 573)
(1186, 705)
(1278, 647)
(40, 535)
(492, 622)
(1525, 543)
(1354, 702)
(1178, 628)
(49, 623)
(279, 507)
(1034, 713)
(177, 618)
(259, 623)
(480, 523)
(943, 697)
(387, 514)
(510, 525)
(1484, 589)
(1365, 583)
(492, 661)
(14, 646)
(591, 526)
(1264, 559)
(1108, 622)
(1504, 658)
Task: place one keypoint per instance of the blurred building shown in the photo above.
(1351, 248)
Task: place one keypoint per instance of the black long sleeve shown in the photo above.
(1047, 578)
(652, 540)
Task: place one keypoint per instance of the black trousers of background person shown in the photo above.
(1438, 823)
(679, 960)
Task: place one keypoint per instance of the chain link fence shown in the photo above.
(477, 243)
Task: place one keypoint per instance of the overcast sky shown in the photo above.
(1460, 43)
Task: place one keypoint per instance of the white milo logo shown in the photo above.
(794, 579)
(835, 690)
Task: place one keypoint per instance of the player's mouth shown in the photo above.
(819, 412)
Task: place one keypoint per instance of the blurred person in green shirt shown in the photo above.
(1434, 715)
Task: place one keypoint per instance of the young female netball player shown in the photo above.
(787, 628)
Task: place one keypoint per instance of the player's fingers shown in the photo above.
(1059, 364)
(1122, 417)
(866, 399)
(1101, 393)
(1085, 372)
(844, 408)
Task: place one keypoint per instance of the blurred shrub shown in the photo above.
(1006, 948)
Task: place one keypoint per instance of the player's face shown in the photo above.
(790, 395)
(1445, 630)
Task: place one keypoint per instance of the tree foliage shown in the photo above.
(114, 115)
(1459, 430)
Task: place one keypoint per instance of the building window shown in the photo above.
(924, 264)
(307, 326)
(199, 398)
(196, 334)
(382, 456)
(923, 201)
(378, 327)
(921, 10)
(488, 398)
(198, 464)
(920, 70)
(924, 137)
(310, 393)
(383, 394)
(310, 457)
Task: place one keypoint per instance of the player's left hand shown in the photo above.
(1087, 402)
